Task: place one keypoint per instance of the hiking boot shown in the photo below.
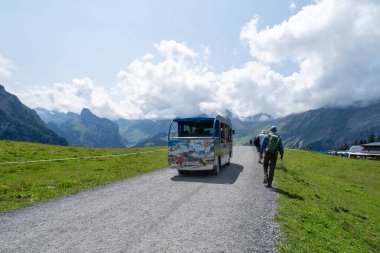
(265, 181)
(269, 185)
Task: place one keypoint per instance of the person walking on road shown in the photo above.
(261, 137)
(272, 145)
(256, 142)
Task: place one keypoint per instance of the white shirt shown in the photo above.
(261, 137)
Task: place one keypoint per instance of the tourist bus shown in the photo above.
(200, 143)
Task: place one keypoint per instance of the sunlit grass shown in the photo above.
(26, 184)
(328, 204)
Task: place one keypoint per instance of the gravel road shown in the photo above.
(155, 212)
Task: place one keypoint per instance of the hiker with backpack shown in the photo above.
(272, 145)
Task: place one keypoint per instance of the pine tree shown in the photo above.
(343, 146)
(371, 138)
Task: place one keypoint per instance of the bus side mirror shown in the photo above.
(233, 131)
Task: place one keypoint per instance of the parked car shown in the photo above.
(356, 149)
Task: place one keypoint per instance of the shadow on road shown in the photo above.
(227, 175)
(288, 194)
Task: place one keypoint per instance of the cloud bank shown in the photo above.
(72, 97)
(334, 45)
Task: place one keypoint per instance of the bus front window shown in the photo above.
(200, 128)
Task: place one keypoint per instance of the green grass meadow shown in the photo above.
(328, 203)
(26, 184)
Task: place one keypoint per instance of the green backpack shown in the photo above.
(273, 143)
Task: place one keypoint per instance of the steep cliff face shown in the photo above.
(20, 123)
(84, 129)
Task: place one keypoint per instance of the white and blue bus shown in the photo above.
(200, 143)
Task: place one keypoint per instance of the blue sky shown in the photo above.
(91, 54)
(55, 41)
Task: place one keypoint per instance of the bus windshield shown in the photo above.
(196, 128)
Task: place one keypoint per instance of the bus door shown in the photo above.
(225, 143)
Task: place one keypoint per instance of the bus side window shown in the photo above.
(228, 132)
(217, 129)
(223, 133)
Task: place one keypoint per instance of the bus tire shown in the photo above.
(217, 167)
(181, 172)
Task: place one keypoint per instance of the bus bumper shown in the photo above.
(193, 167)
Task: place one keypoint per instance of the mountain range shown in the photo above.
(327, 127)
(19, 122)
(84, 129)
(324, 128)
(144, 132)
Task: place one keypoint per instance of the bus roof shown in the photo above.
(218, 117)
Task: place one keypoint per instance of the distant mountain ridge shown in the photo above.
(84, 129)
(55, 116)
(142, 132)
(160, 139)
(20, 123)
(319, 129)
(327, 127)
(322, 128)
(154, 132)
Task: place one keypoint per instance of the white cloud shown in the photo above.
(71, 97)
(336, 46)
(174, 86)
(175, 51)
(334, 43)
(6, 67)
(182, 86)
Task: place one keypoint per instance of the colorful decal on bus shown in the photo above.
(190, 153)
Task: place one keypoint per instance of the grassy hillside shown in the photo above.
(328, 204)
(29, 183)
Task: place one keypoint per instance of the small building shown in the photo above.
(371, 148)
(368, 151)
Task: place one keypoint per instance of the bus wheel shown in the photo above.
(181, 172)
(216, 169)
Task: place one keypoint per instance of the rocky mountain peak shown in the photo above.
(86, 113)
(19, 122)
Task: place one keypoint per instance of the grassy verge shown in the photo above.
(328, 204)
(26, 184)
